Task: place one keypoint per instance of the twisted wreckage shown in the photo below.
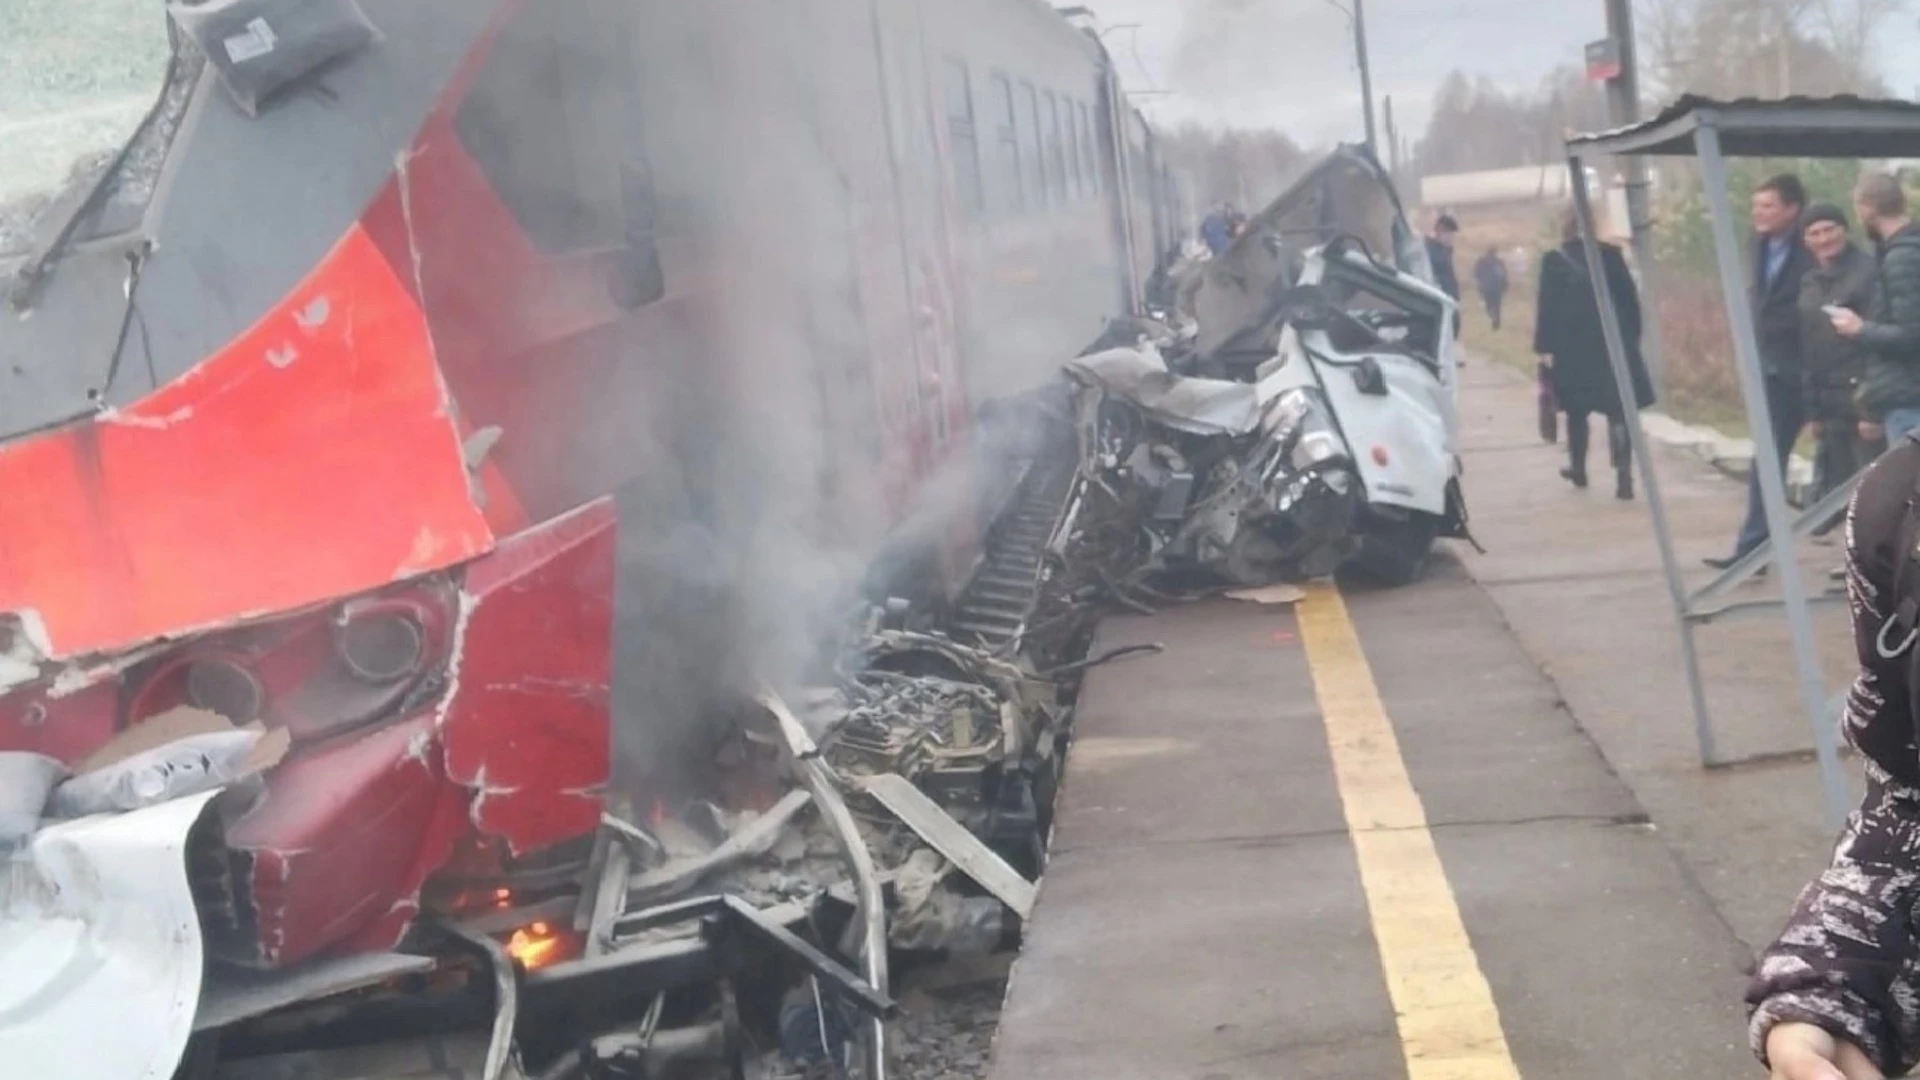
(343, 827)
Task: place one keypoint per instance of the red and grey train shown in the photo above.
(345, 412)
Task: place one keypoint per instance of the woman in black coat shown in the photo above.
(1568, 338)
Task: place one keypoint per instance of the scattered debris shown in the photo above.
(1275, 595)
(950, 839)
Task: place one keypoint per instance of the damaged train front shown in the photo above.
(274, 723)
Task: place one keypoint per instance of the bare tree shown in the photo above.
(1732, 48)
(1245, 168)
(1850, 26)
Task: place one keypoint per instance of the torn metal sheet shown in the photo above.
(1346, 193)
(1196, 406)
(27, 781)
(753, 839)
(931, 915)
(951, 839)
(99, 555)
(525, 724)
(336, 853)
(872, 916)
(98, 935)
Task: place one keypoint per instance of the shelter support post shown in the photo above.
(1766, 462)
(1643, 459)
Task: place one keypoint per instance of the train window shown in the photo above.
(1071, 132)
(1090, 150)
(1056, 157)
(963, 141)
(1076, 149)
(1007, 145)
(548, 121)
(1030, 153)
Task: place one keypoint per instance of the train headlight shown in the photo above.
(380, 646)
(224, 687)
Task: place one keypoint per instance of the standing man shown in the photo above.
(1780, 261)
(1490, 274)
(1440, 254)
(1843, 278)
(1890, 391)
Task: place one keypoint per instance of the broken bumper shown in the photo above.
(98, 935)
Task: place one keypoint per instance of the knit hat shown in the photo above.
(1820, 212)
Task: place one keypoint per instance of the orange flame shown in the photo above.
(534, 946)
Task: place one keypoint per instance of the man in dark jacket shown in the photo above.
(1440, 254)
(1490, 275)
(1780, 261)
(1890, 390)
(1843, 277)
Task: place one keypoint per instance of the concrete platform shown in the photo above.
(1576, 578)
(1203, 916)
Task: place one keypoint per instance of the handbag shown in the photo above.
(1549, 406)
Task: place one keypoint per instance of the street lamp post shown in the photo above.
(1366, 74)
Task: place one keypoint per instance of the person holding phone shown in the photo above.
(1890, 333)
(1843, 279)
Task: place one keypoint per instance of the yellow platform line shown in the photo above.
(1449, 1025)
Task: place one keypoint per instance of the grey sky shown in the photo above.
(1289, 63)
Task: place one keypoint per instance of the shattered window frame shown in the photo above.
(1351, 284)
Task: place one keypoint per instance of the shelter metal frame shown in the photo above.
(1711, 131)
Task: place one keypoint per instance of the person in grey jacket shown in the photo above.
(1890, 389)
(1843, 277)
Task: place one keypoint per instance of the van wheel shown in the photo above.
(1394, 551)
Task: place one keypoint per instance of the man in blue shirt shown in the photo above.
(1780, 261)
(1217, 230)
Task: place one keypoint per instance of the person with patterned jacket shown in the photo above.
(1837, 994)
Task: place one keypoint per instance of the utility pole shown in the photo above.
(1623, 96)
(1366, 72)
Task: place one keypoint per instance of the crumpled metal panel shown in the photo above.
(1183, 402)
(1345, 193)
(322, 430)
(100, 949)
(341, 843)
(526, 723)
